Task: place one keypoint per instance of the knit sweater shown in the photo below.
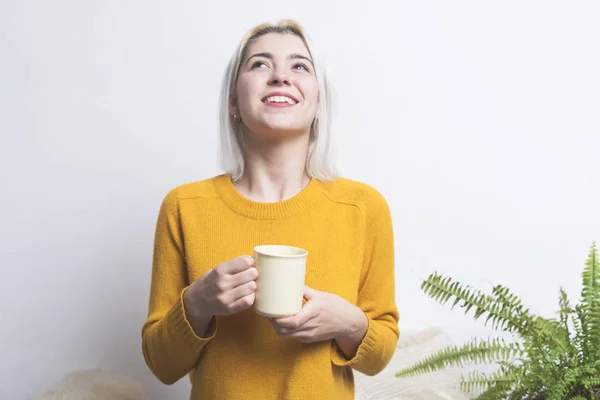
(347, 229)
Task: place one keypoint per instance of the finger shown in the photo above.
(242, 303)
(280, 330)
(309, 325)
(305, 335)
(294, 322)
(235, 265)
(309, 293)
(241, 278)
(278, 327)
(242, 291)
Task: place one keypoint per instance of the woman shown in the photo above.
(280, 187)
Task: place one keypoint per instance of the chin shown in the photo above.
(278, 133)
(278, 130)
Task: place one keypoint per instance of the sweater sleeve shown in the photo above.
(376, 296)
(170, 347)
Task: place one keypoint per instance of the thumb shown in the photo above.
(309, 293)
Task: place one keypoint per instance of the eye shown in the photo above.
(258, 64)
(301, 66)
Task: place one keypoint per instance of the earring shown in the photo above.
(237, 119)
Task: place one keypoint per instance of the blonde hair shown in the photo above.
(320, 162)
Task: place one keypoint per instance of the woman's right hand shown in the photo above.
(224, 290)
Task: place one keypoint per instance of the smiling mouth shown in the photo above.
(280, 100)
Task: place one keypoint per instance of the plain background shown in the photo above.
(479, 122)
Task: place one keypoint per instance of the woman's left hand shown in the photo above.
(325, 316)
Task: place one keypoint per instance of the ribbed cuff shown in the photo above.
(180, 325)
(368, 342)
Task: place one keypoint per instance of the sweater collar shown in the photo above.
(267, 210)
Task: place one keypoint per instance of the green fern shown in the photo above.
(499, 390)
(472, 352)
(478, 381)
(550, 359)
(590, 303)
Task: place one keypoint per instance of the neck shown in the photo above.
(274, 171)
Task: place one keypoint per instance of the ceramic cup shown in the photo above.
(280, 283)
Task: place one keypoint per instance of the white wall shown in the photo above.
(479, 122)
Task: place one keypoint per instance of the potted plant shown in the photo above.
(550, 358)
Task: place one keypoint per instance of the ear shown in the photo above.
(318, 107)
(233, 108)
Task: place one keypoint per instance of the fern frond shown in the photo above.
(590, 301)
(440, 289)
(565, 305)
(579, 339)
(480, 381)
(591, 382)
(472, 352)
(510, 304)
(495, 392)
(509, 300)
(565, 311)
(569, 380)
(555, 333)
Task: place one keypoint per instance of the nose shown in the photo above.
(279, 78)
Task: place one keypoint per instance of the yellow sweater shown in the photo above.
(346, 228)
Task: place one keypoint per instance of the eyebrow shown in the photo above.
(293, 56)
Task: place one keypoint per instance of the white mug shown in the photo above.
(280, 283)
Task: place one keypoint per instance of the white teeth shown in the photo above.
(279, 99)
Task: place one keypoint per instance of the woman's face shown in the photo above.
(277, 93)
